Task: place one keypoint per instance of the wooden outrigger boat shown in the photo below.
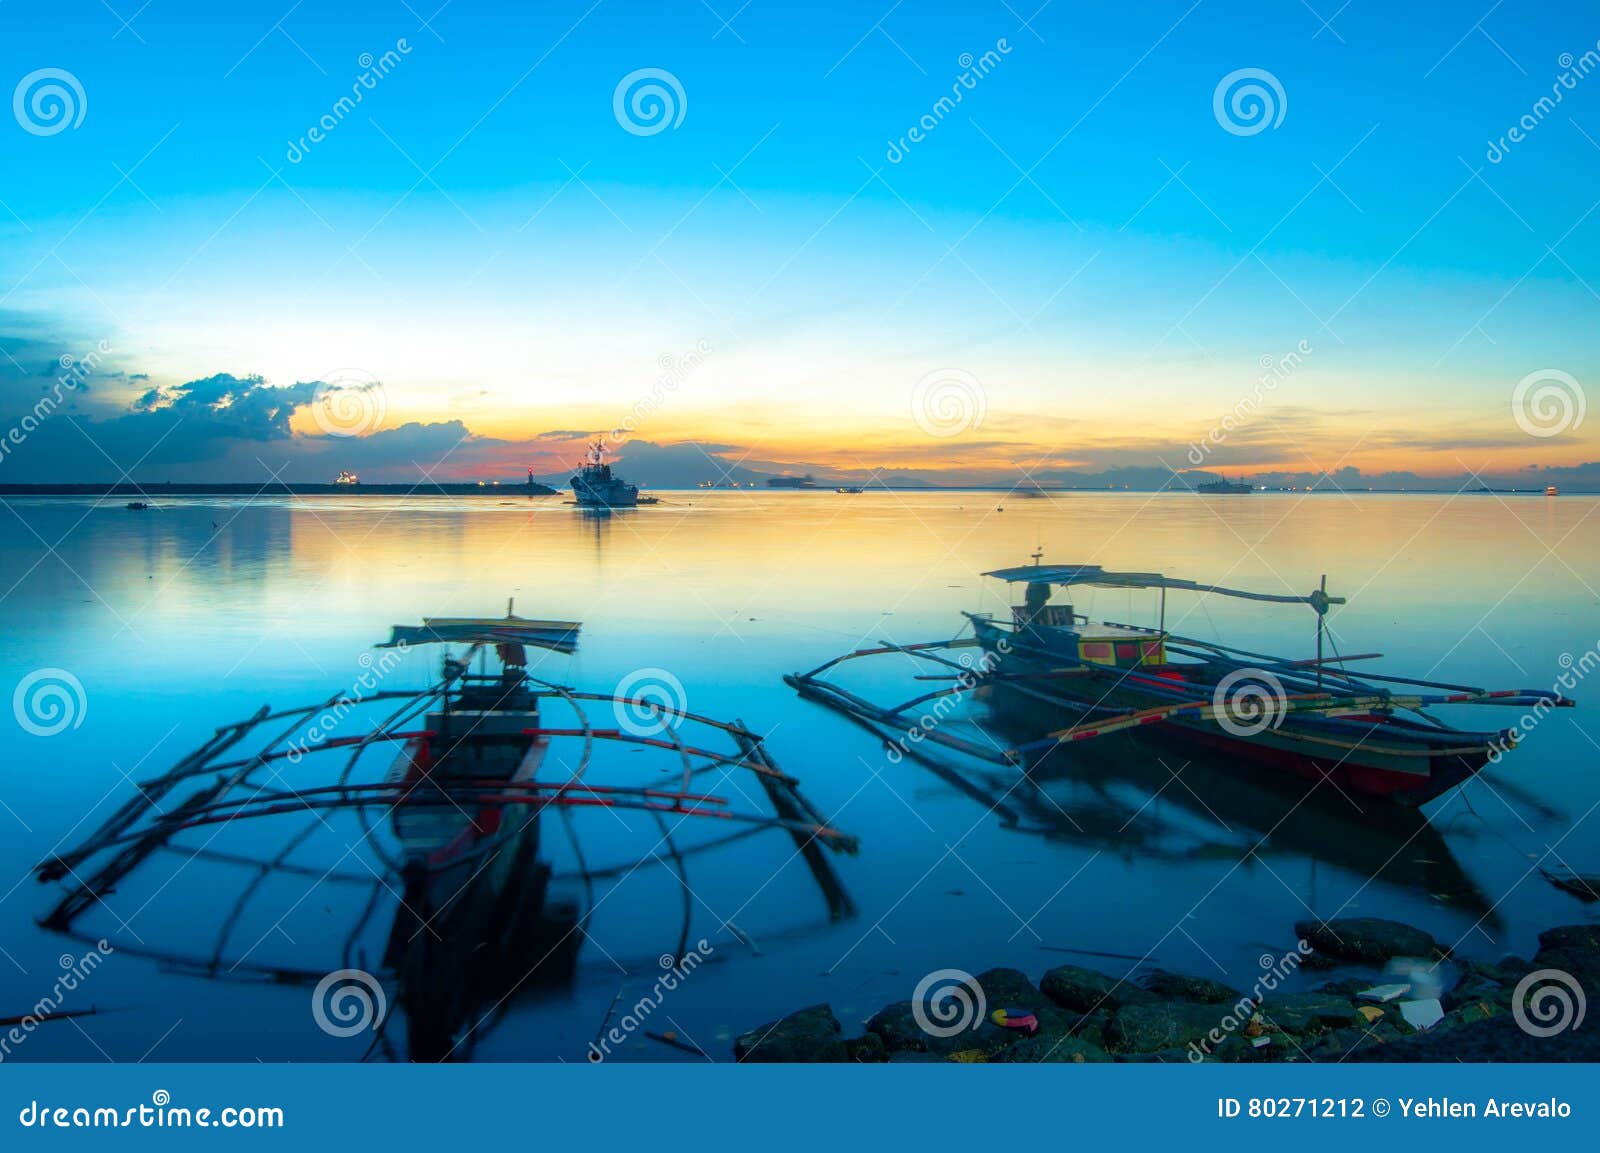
(447, 835)
(472, 863)
(1368, 735)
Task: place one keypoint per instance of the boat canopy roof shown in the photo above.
(1093, 574)
(561, 636)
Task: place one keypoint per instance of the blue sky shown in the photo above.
(1081, 236)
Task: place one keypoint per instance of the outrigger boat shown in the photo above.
(478, 913)
(470, 862)
(1369, 735)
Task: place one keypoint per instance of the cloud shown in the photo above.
(225, 427)
(224, 404)
(238, 428)
(194, 430)
(33, 358)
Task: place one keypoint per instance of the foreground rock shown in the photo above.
(1088, 990)
(1574, 949)
(1154, 1027)
(811, 1035)
(1201, 990)
(1307, 1014)
(901, 1032)
(1498, 1039)
(1086, 1016)
(1368, 940)
(1064, 1050)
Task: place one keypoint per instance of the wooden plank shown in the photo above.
(793, 808)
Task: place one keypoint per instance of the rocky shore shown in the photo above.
(1082, 1015)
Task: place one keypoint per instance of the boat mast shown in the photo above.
(1320, 615)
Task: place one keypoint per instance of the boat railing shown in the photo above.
(1135, 628)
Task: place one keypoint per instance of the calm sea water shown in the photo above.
(198, 612)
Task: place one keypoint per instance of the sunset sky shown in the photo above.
(1085, 256)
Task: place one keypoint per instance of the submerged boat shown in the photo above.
(1224, 486)
(1080, 679)
(435, 867)
(468, 864)
(594, 485)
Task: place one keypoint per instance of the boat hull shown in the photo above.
(1378, 756)
(1406, 781)
(593, 499)
(469, 875)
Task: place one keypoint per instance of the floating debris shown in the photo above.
(1586, 889)
(670, 1039)
(1422, 1015)
(44, 1018)
(1383, 993)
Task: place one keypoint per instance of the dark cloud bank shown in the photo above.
(239, 429)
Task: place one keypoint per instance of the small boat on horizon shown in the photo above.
(1552, 490)
(595, 486)
(848, 488)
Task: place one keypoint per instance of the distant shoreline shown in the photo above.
(473, 488)
(428, 488)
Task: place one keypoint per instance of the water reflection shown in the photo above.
(177, 618)
(448, 826)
